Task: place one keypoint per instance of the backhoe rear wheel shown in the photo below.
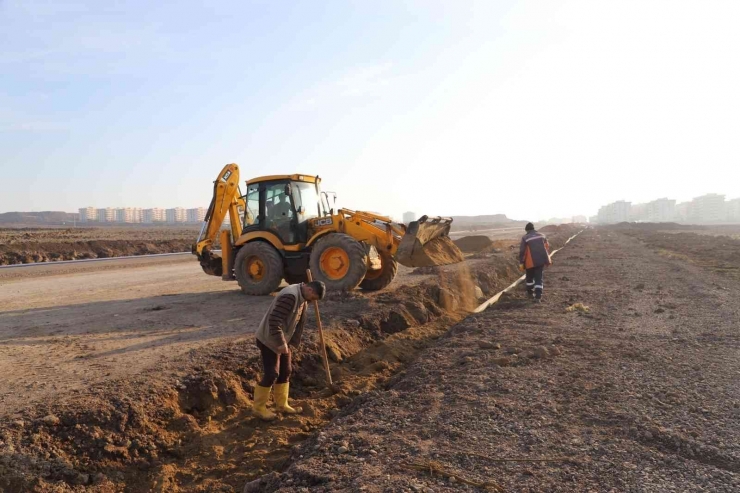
(376, 280)
(258, 268)
(339, 261)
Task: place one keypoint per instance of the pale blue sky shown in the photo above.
(533, 109)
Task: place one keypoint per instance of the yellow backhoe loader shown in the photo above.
(284, 224)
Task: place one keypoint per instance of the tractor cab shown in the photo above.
(283, 205)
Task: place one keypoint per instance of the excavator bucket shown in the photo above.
(427, 242)
(211, 263)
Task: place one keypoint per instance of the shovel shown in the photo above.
(329, 383)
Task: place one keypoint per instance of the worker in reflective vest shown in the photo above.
(534, 256)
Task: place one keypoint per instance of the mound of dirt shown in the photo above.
(439, 251)
(550, 228)
(29, 245)
(27, 253)
(189, 428)
(473, 244)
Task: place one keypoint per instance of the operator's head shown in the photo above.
(314, 290)
(529, 227)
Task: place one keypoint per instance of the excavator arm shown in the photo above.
(226, 199)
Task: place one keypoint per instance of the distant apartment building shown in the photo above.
(409, 217)
(661, 211)
(616, 212)
(154, 215)
(88, 214)
(732, 209)
(176, 215)
(682, 212)
(579, 219)
(638, 212)
(128, 215)
(107, 215)
(196, 215)
(708, 208)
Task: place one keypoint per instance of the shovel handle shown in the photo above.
(330, 384)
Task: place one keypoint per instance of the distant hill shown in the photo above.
(487, 219)
(43, 217)
(484, 221)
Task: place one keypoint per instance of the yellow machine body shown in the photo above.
(291, 215)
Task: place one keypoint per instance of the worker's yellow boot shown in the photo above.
(259, 408)
(281, 400)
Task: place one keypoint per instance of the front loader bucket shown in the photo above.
(427, 242)
(211, 263)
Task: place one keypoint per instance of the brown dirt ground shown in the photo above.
(28, 245)
(716, 249)
(640, 392)
(184, 424)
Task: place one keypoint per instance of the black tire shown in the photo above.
(375, 280)
(355, 269)
(270, 266)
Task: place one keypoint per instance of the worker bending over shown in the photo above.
(281, 327)
(534, 256)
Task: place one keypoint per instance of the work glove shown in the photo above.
(521, 267)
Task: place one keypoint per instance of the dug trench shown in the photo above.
(196, 432)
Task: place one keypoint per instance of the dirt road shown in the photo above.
(66, 327)
(68, 331)
(639, 393)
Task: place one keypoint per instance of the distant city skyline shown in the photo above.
(133, 215)
(710, 208)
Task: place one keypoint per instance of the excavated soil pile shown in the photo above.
(193, 431)
(27, 253)
(439, 251)
(473, 244)
(23, 246)
(551, 228)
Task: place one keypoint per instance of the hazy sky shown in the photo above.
(532, 108)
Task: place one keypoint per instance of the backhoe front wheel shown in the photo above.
(258, 268)
(339, 261)
(375, 280)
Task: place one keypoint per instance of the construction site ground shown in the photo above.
(29, 244)
(635, 389)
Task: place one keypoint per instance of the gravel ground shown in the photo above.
(640, 391)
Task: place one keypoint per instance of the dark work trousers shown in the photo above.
(277, 367)
(534, 281)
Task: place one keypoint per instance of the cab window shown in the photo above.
(253, 206)
(304, 195)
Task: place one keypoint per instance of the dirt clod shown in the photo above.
(51, 420)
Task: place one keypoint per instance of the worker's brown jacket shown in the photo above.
(283, 324)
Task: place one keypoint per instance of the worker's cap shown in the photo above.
(529, 227)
